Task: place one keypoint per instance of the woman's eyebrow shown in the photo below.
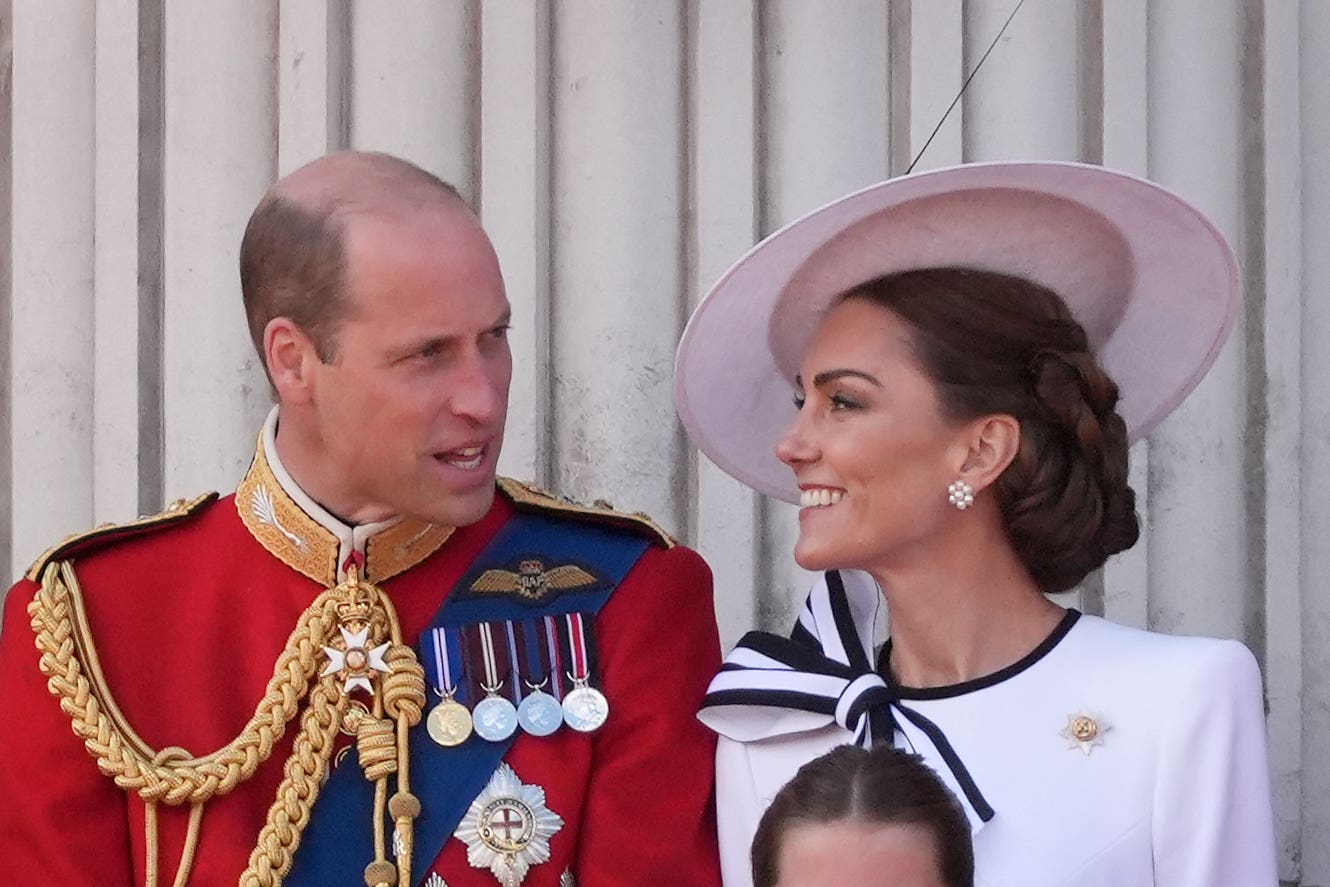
(832, 375)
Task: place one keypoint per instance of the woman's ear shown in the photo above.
(290, 356)
(993, 443)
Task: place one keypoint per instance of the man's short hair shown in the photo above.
(293, 255)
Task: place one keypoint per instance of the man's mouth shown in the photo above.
(465, 458)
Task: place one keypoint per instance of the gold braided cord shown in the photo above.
(65, 642)
(271, 859)
(401, 695)
(172, 776)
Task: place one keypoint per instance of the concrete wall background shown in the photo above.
(622, 153)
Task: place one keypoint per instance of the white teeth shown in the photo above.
(467, 458)
(819, 497)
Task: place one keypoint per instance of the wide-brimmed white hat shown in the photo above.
(1150, 278)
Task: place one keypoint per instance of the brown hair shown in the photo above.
(293, 256)
(292, 264)
(884, 785)
(995, 343)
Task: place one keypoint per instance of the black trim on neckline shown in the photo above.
(1045, 647)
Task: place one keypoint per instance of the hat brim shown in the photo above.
(1152, 280)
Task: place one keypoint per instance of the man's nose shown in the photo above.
(480, 392)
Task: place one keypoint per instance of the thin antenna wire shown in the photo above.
(964, 86)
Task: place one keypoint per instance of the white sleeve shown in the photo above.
(1213, 818)
(738, 809)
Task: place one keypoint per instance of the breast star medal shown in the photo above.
(1084, 730)
(508, 828)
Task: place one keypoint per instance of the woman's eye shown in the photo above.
(841, 402)
(799, 401)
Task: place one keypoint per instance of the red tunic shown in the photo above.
(189, 620)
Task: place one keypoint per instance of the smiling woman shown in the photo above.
(958, 448)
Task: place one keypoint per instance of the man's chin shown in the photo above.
(459, 509)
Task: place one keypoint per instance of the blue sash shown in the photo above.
(338, 843)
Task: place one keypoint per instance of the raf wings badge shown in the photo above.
(532, 582)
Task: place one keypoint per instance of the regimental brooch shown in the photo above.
(508, 828)
(1085, 730)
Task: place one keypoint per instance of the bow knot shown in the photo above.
(774, 686)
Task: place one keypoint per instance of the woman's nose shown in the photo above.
(795, 446)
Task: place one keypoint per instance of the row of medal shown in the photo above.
(534, 674)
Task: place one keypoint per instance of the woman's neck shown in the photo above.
(975, 617)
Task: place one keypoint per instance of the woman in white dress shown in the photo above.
(945, 371)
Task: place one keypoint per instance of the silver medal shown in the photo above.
(585, 708)
(539, 714)
(495, 718)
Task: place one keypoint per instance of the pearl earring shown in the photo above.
(960, 494)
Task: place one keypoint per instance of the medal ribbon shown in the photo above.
(515, 670)
(535, 663)
(447, 661)
(556, 661)
(822, 672)
(492, 680)
(577, 648)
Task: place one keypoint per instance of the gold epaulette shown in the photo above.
(529, 496)
(82, 542)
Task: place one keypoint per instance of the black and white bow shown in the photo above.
(822, 674)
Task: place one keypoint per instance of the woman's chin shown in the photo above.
(814, 558)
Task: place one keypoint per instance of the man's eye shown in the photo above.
(430, 351)
(799, 401)
(501, 332)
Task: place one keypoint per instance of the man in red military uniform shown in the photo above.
(337, 674)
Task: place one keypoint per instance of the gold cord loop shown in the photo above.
(173, 776)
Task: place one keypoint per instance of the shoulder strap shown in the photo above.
(529, 497)
(106, 534)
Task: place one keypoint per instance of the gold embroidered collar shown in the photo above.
(309, 546)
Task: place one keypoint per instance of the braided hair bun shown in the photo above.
(995, 343)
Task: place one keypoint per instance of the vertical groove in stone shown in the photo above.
(900, 51)
(339, 75)
(1251, 256)
(1091, 50)
(6, 292)
(686, 469)
(150, 238)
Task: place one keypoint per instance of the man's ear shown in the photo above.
(993, 442)
(291, 357)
